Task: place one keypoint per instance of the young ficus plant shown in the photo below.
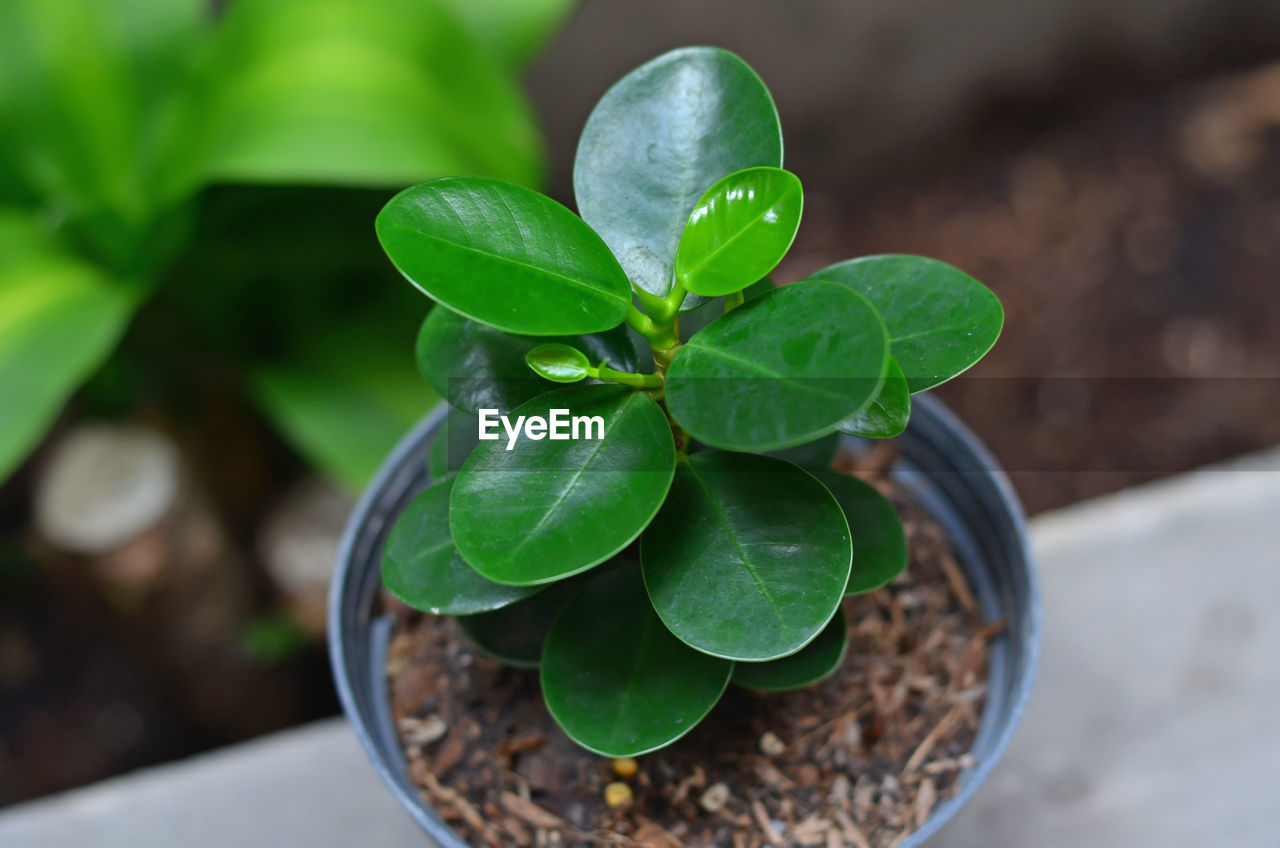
(717, 400)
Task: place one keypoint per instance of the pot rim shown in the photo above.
(939, 424)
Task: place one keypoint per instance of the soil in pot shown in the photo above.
(859, 760)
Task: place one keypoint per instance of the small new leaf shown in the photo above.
(558, 363)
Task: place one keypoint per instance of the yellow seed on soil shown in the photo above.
(625, 768)
(617, 794)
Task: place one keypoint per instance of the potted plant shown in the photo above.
(636, 494)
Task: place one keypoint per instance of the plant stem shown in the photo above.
(626, 378)
(658, 336)
(733, 301)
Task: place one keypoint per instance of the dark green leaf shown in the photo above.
(505, 256)
(887, 415)
(515, 634)
(741, 228)
(814, 662)
(817, 454)
(547, 509)
(657, 140)
(693, 320)
(616, 680)
(558, 363)
(421, 566)
(780, 370)
(879, 543)
(452, 444)
(357, 92)
(941, 321)
(748, 558)
(477, 367)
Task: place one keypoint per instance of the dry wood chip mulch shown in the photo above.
(859, 760)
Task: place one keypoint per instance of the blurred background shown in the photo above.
(204, 354)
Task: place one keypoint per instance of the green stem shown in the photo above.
(733, 301)
(626, 378)
(658, 336)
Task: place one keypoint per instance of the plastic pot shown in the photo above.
(942, 462)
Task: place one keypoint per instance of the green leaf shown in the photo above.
(616, 680)
(739, 231)
(818, 454)
(505, 256)
(879, 542)
(452, 444)
(421, 566)
(477, 367)
(558, 362)
(748, 558)
(709, 309)
(514, 635)
(660, 138)
(941, 321)
(814, 662)
(357, 92)
(780, 370)
(514, 30)
(59, 319)
(345, 400)
(886, 416)
(544, 509)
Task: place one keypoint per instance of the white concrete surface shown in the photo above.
(1156, 718)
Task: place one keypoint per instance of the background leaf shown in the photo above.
(515, 634)
(357, 92)
(548, 509)
(505, 256)
(452, 444)
(886, 416)
(657, 140)
(814, 662)
(421, 566)
(59, 318)
(616, 680)
(514, 30)
(780, 370)
(879, 543)
(739, 231)
(748, 558)
(941, 321)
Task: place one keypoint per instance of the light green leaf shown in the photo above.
(59, 318)
(886, 416)
(941, 321)
(546, 509)
(657, 140)
(748, 558)
(505, 256)
(739, 231)
(616, 680)
(514, 30)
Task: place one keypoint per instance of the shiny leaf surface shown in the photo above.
(615, 678)
(505, 256)
(814, 662)
(741, 228)
(941, 321)
(657, 140)
(886, 416)
(558, 362)
(548, 509)
(748, 558)
(421, 566)
(879, 542)
(780, 370)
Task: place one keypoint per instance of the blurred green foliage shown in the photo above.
(116, 118)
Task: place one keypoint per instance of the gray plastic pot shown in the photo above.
(942, 463)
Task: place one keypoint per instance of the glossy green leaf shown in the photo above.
(513, 30)
(453, 443)
(421, 566)
(59, 318)
(615, 678)
(558, 362)
(879, 542)
(815, 455)
(344, 399)
(739, 231)
(478, 367)
(816, 661)
(547, 509)
(780, 370)
(515, 634)
(886, 416)
(657, 140)
(505, 256)
(693, 320)
(748, 558)
(357, 92)
(941, 321)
